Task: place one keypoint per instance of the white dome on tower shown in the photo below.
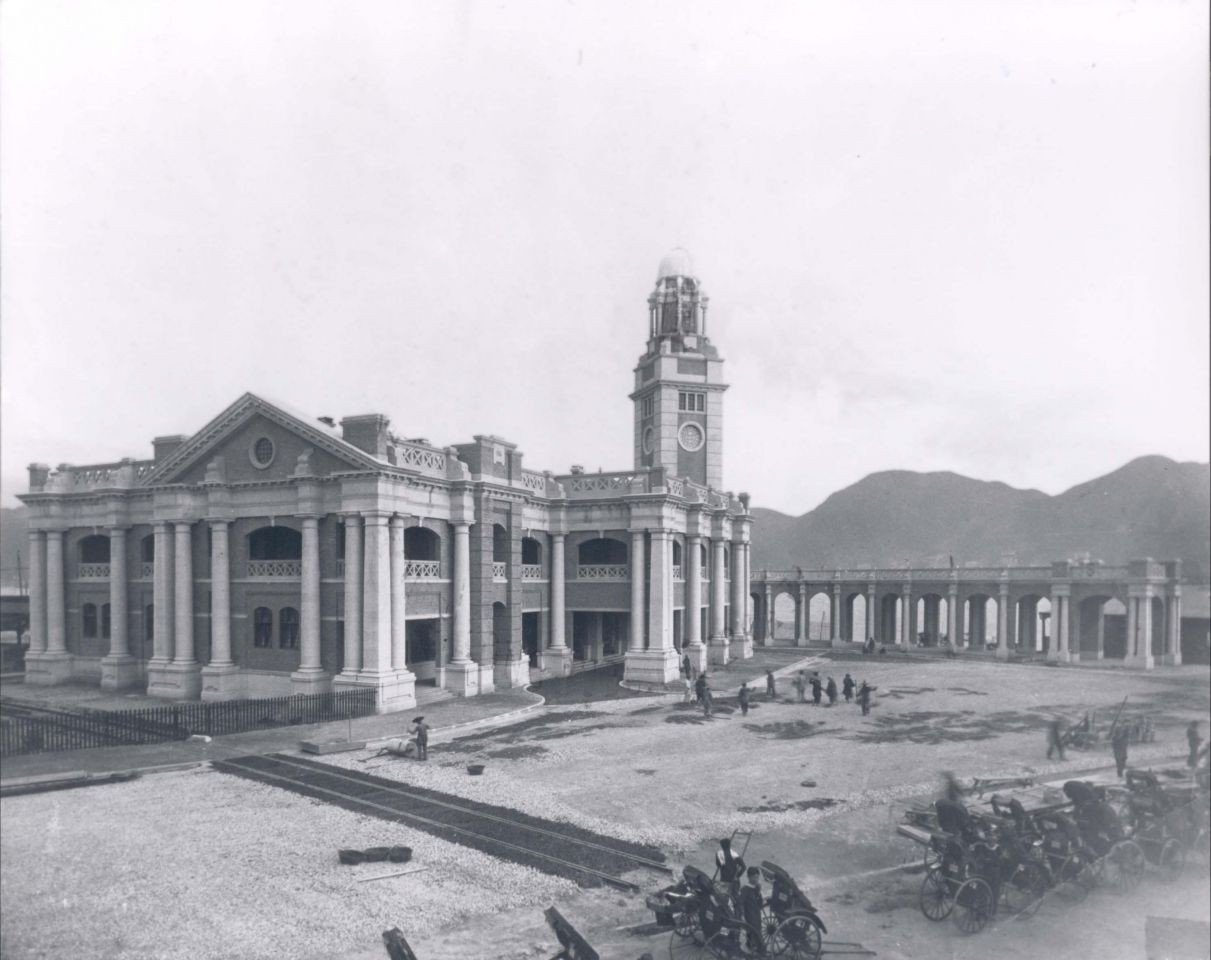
(676, 263)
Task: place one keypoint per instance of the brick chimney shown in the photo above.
(367, 432)
(164, 446)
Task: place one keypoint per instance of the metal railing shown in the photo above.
(603, 571)
(275, 569)
(52, 731)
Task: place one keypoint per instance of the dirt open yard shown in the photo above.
(199, 863)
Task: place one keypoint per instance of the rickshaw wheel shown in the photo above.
(1129, 864)
(733, 942)
(973, 905)
(1023, 891)
(935, 898)
(685, 948)
(1075, 878)
(799, 937)
(1171, 860)
(770, 922)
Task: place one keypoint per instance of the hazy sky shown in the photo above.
(966, 236)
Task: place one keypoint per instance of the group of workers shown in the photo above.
(700, 692)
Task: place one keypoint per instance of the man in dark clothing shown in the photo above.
(687, 668)
(729, 868)
(1055, 739)
(847, 687)
(816, 690)
(864, 698)
(1193, 739)
(831, 689)
(771, 691)
(1118, 742)
(743, 698)
(420, 730)
(699, 687)
(707, 701)
(751, 901)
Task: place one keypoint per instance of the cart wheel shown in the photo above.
(935, 898)
(685, 948)
(687, 925)
(734, 942)
(973, 905)
(1171, 860)
(1023, 891)
(1128, 863)
(799, 937)
(1075, 878)
(770, 922)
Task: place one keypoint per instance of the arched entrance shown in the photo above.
(786, 612)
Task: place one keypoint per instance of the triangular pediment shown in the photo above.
(254, 440)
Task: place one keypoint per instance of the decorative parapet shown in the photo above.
(417, 456)
(93, 571)
(531, 571)
(147, 571)
(677, 572)
(959, 574)
(586, 486)
(97, 476)
(275, 569)
(499, 571)
(534, 482)
(603, 571)
(422, 570)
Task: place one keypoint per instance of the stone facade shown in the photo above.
(273, 553)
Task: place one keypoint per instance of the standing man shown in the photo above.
(801, 686)
(831, 689)
(743, 698)
(420, 730)
(816, 689)
(700, 688)
(847, 687)
(771, 692)
(1055, 738)
(864, 698)
(687, 668)
(1118, 741)
(751, 901)
(705, 696)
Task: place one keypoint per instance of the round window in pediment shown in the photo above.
(262, 452)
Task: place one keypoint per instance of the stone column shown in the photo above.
(638, 626)
(737, 592)
(908, 615)
(693, 604)
(801, 617)
(55, 664)
(767, 616)
(394, 686)
(310, 676)
(1133, 637)
(1173, 640)
(119, 670)
(221, 677)
(658, 664)
(954, 619)
(747, 594)
(399, 599)
(835, 616)
(1003, 622)
(1101, 631)
(1145, 628)
(37, 593)
(461, 674)
(159, 683)
(558, 658)
(719, 642)
(353, 598)
(185, 671)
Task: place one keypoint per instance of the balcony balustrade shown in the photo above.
(531, 571)
(147, 571)
(499, 571)
(93, 571)
(603, 571)
(275, 569)
(422, 570)
(677, 572)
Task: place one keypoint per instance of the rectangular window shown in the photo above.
(647, 407)
(691, 402)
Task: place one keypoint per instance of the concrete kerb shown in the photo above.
(809, 661)
(483, 723)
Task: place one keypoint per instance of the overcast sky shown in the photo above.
(967, 236)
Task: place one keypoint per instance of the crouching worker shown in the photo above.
(751, 901)
(396, 748)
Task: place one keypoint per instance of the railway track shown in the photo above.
(545, 845)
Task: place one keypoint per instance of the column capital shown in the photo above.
(351, 518)
(117, 529)
(307, 516)
(181, 523)
(53, 534)
(376, 517)
(396, 522)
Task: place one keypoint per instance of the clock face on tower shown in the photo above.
(691, 437)
(649, 439)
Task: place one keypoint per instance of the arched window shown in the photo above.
(602, 550)
(105, 626)
(94, 549)
(147, 549)
(531, 551)
(288, 628)
(275, 543)
(703, 554)
(421, 543)
(500, 544)
(262, 627)
(676, 553)
(89, 616)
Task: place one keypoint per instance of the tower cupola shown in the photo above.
(677, 307)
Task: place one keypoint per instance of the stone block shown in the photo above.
(654, 667)
(306, 681)
(511, 673)
(719, 651)
(119, 673)
(461, 679)
(558, 663)
(48, 669)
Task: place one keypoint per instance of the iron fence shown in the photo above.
(26, 730)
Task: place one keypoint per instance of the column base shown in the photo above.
(719, 651)
(511, 673)
(742, 648)
(175, 681)
(653, 667)
(461, 679)
(48, 669)
(310, 680)
(222, 682)
(395, 690)
(119, 672)
(1003, 653)
(698, 656)
(801, 641)
(557, 661)
(836, 643)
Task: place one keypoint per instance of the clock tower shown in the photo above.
(679, 381)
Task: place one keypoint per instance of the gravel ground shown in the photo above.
(650, 770)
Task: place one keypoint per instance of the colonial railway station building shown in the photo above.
(273, 553)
